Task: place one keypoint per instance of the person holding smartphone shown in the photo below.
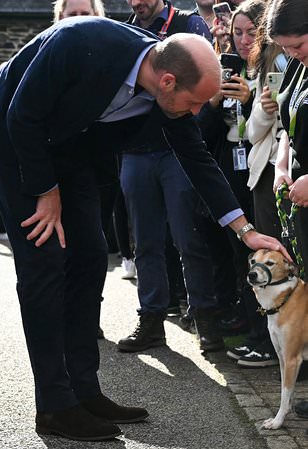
(264, 129)
(223, 122)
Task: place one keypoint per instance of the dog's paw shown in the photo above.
(271, 423)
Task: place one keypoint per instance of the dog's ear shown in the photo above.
(250, 258)
(293, 269)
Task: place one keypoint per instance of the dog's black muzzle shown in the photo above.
(252, 277)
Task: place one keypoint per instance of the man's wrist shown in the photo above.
(244, 229)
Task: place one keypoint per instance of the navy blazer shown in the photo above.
(63, 80)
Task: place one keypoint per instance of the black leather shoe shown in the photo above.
(76, 423)
(301, 409)
(105, 408)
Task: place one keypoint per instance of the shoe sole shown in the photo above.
(257, 364)
(129, 421)
(233, 356)
(141, 348)
(44, 431)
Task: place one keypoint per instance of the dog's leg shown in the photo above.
(289, 371)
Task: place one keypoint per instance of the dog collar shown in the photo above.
(274, 310)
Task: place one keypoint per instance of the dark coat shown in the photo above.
(63, 80)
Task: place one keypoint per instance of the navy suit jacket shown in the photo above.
(62, 81)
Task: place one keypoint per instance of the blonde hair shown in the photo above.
(60, 5)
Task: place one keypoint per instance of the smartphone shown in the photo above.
(231, 61)
(273, 81)
(222, 9)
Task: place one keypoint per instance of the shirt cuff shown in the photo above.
(230, 216)
(47, 191)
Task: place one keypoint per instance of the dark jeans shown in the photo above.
(156, 190)
(60, 290)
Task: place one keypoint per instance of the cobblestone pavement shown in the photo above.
(194, 402)
(258, 393)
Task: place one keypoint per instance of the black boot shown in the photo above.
(207, 330)
(149, 333)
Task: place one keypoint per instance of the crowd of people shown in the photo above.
(187, 163)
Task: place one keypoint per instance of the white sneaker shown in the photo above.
(129, 269)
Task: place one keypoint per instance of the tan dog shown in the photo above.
(284, 299)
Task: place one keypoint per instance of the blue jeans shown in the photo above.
(156, 190)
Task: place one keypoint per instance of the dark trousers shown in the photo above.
(265, 210)
(301, 226)
(60, 290)
(157, 191)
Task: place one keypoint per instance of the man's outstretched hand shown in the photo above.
(255, 241)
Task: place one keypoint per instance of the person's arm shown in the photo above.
(184, 138)
(48, 77)
(263, 116)
(282, 163)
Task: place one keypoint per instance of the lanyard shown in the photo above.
(294, 104)
(295, 101)
(162, 34)
(241, 121)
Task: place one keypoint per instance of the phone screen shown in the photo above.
(221, 9)
(231, 61)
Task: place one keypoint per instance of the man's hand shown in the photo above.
(255, 241)
(46, 218)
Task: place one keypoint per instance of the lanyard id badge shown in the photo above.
(239, 152)
(239, 157)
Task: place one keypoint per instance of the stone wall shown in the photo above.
(14, 33)
(20, 20)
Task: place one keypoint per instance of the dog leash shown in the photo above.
(288, 225)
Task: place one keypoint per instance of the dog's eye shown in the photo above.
(269, 263)
(252, 262)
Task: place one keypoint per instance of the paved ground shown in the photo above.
(194, 402)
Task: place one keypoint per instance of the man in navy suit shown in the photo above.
(79, 72)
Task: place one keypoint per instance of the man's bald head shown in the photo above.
(190, 58)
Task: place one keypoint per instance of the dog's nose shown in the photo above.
(252, 276)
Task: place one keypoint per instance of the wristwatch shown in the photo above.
(247, 227)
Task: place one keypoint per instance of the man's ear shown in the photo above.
(167, 82)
